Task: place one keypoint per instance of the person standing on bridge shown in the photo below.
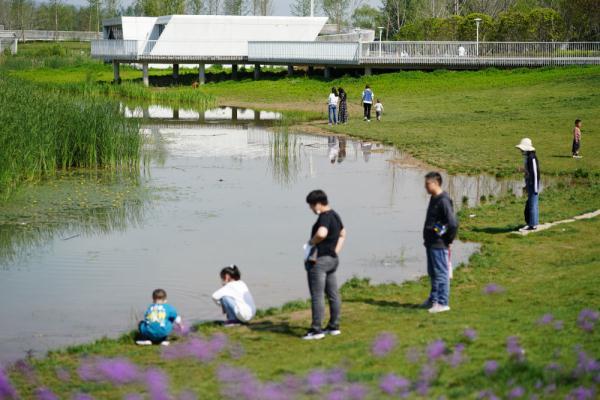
(367, 100)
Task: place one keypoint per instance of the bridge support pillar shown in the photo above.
(116, 72)
(145, 77)
(327, 73)
(257, 71)
(311, 70)
(368, 71)
(176, 113)
(175, 71)
(202, 74)
(234, 71)
(290, 70)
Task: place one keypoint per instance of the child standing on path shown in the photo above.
(367, 100)
(158, 320)
(576, 139)
(234, 297)
(378, 109)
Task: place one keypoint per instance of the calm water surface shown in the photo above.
(228, 191)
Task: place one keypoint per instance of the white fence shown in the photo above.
(72, 36)
(304, 52)
(482, 53)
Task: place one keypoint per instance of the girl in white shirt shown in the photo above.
(234, 297)
(332, 103)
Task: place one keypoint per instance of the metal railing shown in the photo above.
(304, 52)
(482, 53)
(115, 49)
(39, 35)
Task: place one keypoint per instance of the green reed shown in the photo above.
(43, 130)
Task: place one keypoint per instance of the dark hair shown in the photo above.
(317, 197)
(341, 90)
(334, 91)
(434, 176)
(367, 87)
(159, 294)
(577, 121)
(233, 271)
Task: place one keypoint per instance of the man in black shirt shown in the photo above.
(327, 239)
(438, 233)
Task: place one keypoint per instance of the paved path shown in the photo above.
(549, 225)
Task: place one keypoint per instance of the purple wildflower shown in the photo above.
(435, 350)
(546, 319)
(487, 395)
(587, 319)
(356, 391)
(558, 325)
(133, 396)
(585, 365)
(187, 395)
(82, 396)
(25, 369)
(315, 380)
(383, 344)
(493, 288)
(490, 367)
(427, 375)
(273, 391)
(202, 350)
(516, 393)
(470, 334)
(457, 356)
(63, 374)
(158, 384)
(7, 391)
(581, 393)
(391, 384)
(45, 394)
(337, 394)
(514, 349)
(118, 371)
(336, 376)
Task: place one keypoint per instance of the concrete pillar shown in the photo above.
(234, 113)
(176, 113)
(116, 71)
(202, 74)
(290, 70)
(368, 71)
(14, 46)
(257, 71)
(257, 115)
(311, 70)
(234, 71)
(327, 73)
(175, 71)
(145, 76)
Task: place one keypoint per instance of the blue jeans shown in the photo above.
(437, 269)
(531, 209)
(228, 304)
(332, 114)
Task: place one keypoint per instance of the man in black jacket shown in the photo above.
(532, 183)
(438, 233)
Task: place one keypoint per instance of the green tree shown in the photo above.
(366, 17)
(545, 25)
(582, 19)
(397, 13)
(301, 8)
(233, 7)
(467, 29)
(337, 11)
(194, 7)
(111, 8)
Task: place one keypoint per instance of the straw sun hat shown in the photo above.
(525, 145)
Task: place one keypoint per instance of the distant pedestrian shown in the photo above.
(439, 232)
(158, 321)
(378, 110)
(576, 139)
(367, 100)
(234, 297)
(462, 51)
(532, 183)
(343, 107)
(332, 103)
(327, 239)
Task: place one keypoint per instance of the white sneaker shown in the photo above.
(313, 335)
(165, 343)
(143, 342)
(332, 332)
(438, 308)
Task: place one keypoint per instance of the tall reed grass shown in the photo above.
(43, 130)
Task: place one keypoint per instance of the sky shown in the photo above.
(281, 7)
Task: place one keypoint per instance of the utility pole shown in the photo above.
(312, 8)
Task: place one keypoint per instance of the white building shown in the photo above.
(196, 39)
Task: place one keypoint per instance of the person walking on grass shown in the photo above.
(576, 139)
(439, 232)
(343, 107)
(532, 183)
(367, 100)
(378, 110)
(332, 103)
(321, 262)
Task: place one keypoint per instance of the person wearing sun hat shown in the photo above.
(532, 183)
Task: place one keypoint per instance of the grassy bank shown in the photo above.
(43, 131)
(517, 303)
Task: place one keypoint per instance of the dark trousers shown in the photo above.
(322, 280)
(367, 109)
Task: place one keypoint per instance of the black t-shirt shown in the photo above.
(332, 221)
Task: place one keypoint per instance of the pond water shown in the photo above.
(223, 189)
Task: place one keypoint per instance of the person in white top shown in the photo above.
(462, 51)
(234, 297)
(378, 109)
(332, 103)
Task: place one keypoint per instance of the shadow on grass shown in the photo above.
(384, 303)
(496, 229)
(282, 328)
(560, 156)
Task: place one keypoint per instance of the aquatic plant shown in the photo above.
(43, 131)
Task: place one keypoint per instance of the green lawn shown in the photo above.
(462, 122)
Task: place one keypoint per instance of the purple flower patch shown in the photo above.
(7, 391)
(587, 319)
(487, 395)
(516, 393)
(383, 344)
(157, 384)
(581, 393)
(392, 384)
(45, 394)
(514, 349)
(198, 348)
(316, 380)
(546, 319)
(435, 350)
(493, 288)
(470, 334)
(457, 357)
(490, 367)
(118, 371)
